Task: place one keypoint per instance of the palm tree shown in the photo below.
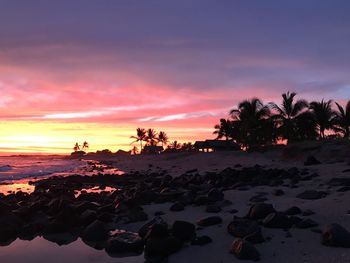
(187, 147)
(140, 137)
(76, 147)
(151, 137)
(287, 114)
(174, 145)
(324, 116)
(134, 150)
(224, 129)
(250, 114)
(85, 145)
(163, 138)
(343, 119)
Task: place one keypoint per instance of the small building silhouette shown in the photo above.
(152, 149)
(216, 145)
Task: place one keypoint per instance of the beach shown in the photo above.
(327, 203)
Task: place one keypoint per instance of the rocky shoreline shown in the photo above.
(62, 209)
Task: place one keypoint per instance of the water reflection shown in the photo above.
(41, 250)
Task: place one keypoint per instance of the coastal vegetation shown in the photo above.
(254, 124)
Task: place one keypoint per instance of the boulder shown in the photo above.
(160, 248)
(213, 209)
(246, 229)
(312, 195)
(334, 235)
(311, 160)
(277, 220)
(183, 230)
(210, 221)
(244, 250)
(123, 242)
(260, 211)
(176, 207)
(96, 231)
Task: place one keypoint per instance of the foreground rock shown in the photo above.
(245, 229)
(210, 221)
(335, 235)
(244, 250)
(123, 242)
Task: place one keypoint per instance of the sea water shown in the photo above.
(20, 167)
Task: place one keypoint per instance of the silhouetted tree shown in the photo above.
(342, 119)
(287, 114)
(85, 145)
(187, 147)
(163, 138)
(223, 130)
(324, 116)
(140, 137)
(174, 145)
(250, 114)
(151, 137)
(76, 147)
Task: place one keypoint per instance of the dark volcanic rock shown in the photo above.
(124, 242)
(210, 221)
(278, 192)
(277, 220)
(260, 211)
(312, 195)
(183, 230)
(177, 207)
(335, 235)
(306, 223)
(294, 210)
(311, 160)
(160, 248)
(244, 250)
(146, 227)
(96, 231)
(215, 195)
(213, 209)
(246, 229)
(157, 231)
(201, 241)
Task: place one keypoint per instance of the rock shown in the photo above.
(123, 242)
(277, 220)
(183, 230)
(260, 211)
(278, 192)
(312, 195)
(96, 231)
(294, 210)
(177, 207)
(306, 223)
(201, 200)
(213, 209)
(157, 231)
(243, 249)
(311, 160)
(209, 221)
(246, 229)
(334, 235)
(201, 241)
(308, 212)
(88, 216)
(146, 227)
(160, 248)
(215, 195)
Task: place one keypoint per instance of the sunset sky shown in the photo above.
(75, 70)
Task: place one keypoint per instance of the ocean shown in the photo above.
(14, 168)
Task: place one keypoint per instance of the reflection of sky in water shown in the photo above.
(40, 250)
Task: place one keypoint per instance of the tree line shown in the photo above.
(150, 137)
(255, 124)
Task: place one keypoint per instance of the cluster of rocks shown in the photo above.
(248, 230)
(56, 212)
